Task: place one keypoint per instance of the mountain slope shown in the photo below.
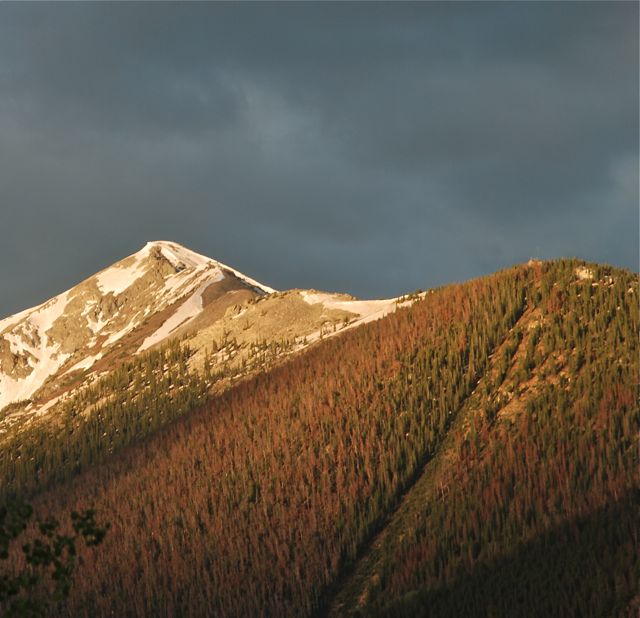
(487, 429)
(536, 486)
(162, 292)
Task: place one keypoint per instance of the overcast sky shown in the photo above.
(368, 148)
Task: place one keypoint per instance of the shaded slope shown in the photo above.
(586, 566)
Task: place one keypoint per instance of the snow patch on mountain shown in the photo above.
(85, 363)
(119, 334)
(117, 279)
(44, 356)
(11, 320)
(366, 309)
(185, 313)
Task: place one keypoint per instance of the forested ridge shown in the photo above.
(532, 507)
(491, 425)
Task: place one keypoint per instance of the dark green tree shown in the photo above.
(48, 557)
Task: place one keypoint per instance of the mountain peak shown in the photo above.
(178, 255)
(163, 291)
(162, 284)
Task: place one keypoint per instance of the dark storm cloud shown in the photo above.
(371, 148)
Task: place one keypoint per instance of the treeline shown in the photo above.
(123, 407)
(540, 512)
(252, 505)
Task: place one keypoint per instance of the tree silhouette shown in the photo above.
(48, 559)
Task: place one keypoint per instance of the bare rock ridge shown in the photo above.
(161, 292)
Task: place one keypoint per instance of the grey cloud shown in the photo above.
(370, 148)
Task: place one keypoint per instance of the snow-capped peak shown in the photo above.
(181, 257)
(78, 327)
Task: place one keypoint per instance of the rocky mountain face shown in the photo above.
(162, 292)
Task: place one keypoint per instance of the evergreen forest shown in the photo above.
(472, 454)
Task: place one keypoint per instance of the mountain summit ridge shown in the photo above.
(160, 292)
(72, 329)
